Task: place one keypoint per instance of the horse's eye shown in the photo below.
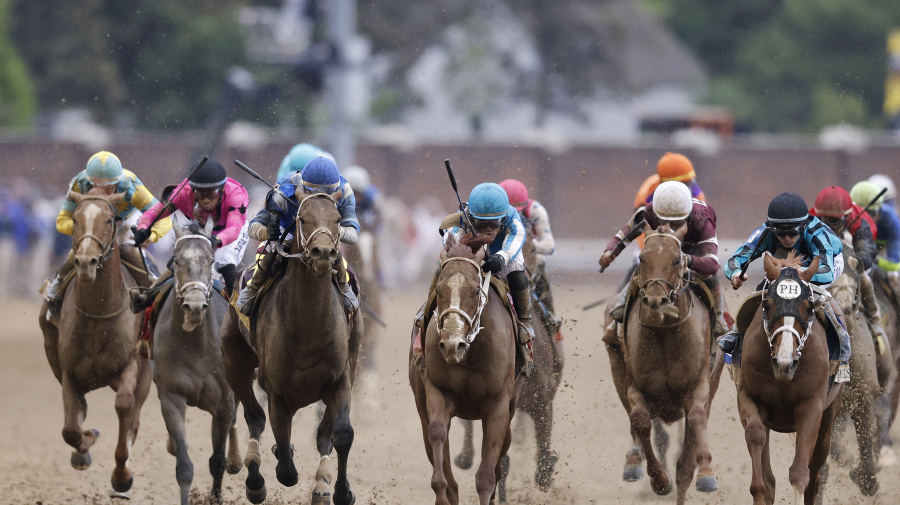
(677, 262)
(302, 221)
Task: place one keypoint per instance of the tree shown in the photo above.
(17, 99)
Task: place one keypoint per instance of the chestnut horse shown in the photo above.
(666, 353)
(466, 377)
(94, 344)
(305, 350)
(780, 391)
(187, 357)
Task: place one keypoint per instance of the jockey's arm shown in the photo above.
(829, 249)
(235, 204)
(64, 222)
(543, 237)
(258, 225)
(706, 260)
(744, 253)
(864, 246)
(624, 236)
(349, 224)
(889, 233)
(515, 237)
(143, 200)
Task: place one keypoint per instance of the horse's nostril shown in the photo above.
(332, 255)
(204, 306)
(442, 346)
(186, 307)
(94, 262)
(316, 251)
(77, 262)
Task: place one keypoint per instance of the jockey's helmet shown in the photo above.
(488, 202)
(787, 210)
(298, 157)
(883, 181)
(833, 201)
(210, 176)
(104, 168)
(672, 201)
(517, 193)
(358, 177)
(675, 167)
(320, 175)
(864, 192)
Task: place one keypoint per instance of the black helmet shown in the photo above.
(210, 175)
(787, 209)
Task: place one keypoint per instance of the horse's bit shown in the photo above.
(181, 290)
(474, 322)
(105, 248)
(304, 240)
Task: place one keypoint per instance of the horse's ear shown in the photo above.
(479, 255)
(771, 266)
(647, 229)
(115, 198)
(681, 232)
(179, 231)
(208, 229)
(808, 273)
(74, 197)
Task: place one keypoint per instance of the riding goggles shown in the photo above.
(207, 193)
(787, 231)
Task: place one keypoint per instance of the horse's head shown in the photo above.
(460, 299)
(318, 232)
(192, 269)
(788, 311)
(95, 230)
(661, 272)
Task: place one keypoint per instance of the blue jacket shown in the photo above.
(285, 212)
(817, 239)
(888, 238)
(509, 240)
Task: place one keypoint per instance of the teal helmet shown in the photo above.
(299, 156)
(488, 201)
(104, 168)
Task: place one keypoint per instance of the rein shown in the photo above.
(105, 248)
(474, 322)
(304, 240)
(181, 290)
(801, 339)
(674, 290)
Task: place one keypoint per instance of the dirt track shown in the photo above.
(388, 463)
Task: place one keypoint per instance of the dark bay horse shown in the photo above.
(305, 351)
(466, 377)
(858, 399)
(666, 358)
(536, 398)
(886, 295)
(187, 357)
(780, 391)
(94, 344)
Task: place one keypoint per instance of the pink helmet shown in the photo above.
(517, 192)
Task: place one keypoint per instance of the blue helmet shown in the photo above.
(298, 157)
(104, 168)
(320, 175)
(488, 201)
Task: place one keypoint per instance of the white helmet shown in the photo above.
(358, 177)
(672, 201)
(883, 181)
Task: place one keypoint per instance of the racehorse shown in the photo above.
(536, 398)
(858, 399)
(666, 352)
(466, 377)
(187, 356)
(305, 350)
(886, 296)
(780, 391)
(94, 344)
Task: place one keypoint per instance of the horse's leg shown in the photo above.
(660, 440)
(324, 445)
(546, 457)
(863, 420)
(234, 450)
(51, 342)
(74, 412)
(756, 435)
(820, 452)
(280, 417)
(343, 440)
(496, 435)
(439, 409)
(222, 422)
(173, 408)
(840, 426)
(640, 426)
(632, 470)
(886, 456)
(502, 469)
(125, 386)
(767, 473)
(141, 391)
(467, 454)
(808, 416)
(452, 485)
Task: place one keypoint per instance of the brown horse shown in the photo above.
(466, 377)
(536, 398)
(888, 363)
(94, 344)
(780, 391)
(666, 358)
(305, 351)
(859, 396)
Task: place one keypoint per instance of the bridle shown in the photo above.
(674, 289)
(304, 254)
(474, 321)
(105, 247)
(789, 328)
(182, 289)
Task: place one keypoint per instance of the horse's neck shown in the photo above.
(105, 293)
(309, 298)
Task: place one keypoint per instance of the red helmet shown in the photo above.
(833, 201)
(517, 192)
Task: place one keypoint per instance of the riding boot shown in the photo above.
(833, 312)
(132, 256)
(229, 275)
(522, 304)
(872, 312)
(141, 297)
(617, 312)
(244, 303)
(419, 319)
(730, 341)
(721, 327)
(348, 297)
(52, 291)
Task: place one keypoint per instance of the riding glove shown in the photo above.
(493, 264)
(140, 236)
(273, 230)
(216, 241)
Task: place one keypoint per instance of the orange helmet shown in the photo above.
(833, 201)
(675, 167)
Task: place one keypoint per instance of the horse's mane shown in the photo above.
(774, 266)
(194, 228)
(465, 246)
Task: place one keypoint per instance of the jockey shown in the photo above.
(208, 194)
(104, 170)
(789, 227)
(319, 175)
(885, 182)
(672, 204)
(888, 239)
(536, 219)
(835, 207)
(489, 212)
(368, 197)
(671, 167)
(298, 157)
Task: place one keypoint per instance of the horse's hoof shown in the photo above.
(886, 457)
(80, 461)
(122, 495)
(707, 484)
(256, 496)
(660, 488)
(463, 462)
(234, 469)
(288, 477)
(868, 486)
(350, 500)
(321, 499)
(633, 473)
(544, 475)
(122, 487)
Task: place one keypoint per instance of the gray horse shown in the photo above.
(187, 357)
